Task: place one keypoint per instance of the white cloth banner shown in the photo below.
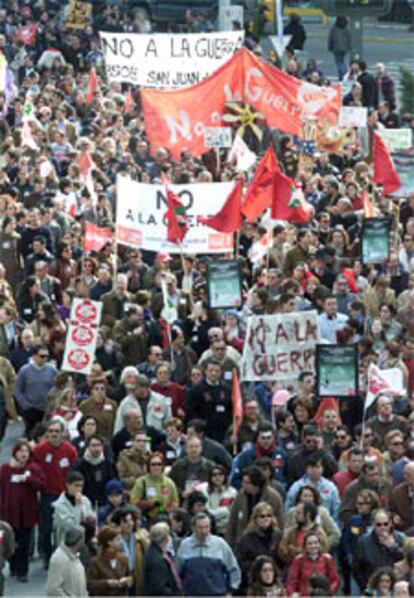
(167, 60)
(244, 157)
(280, 347)
(140, 216)
(85, 317)
(388, 381)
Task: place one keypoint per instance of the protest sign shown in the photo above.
(388, 381)
(176, 118)
(404, 164)
(337, 370)
(85, 317)
(396, 139)
(217, 137)
(224, 284)
(167, 60)
(140, 217)
(95, 237)
(78, 15)
(353, 116)
(241, 153)
(375, 242)
(280, 347)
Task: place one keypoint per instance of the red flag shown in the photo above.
(95, 237)
(259, 193)
(289, 202)
(128, 102)
(237, 402)
(92, 86)
(229, 218)
(177, 220)
(368, 207)
(384, 169)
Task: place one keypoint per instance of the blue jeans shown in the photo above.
(340, 65)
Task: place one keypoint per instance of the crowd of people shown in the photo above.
(136, 479)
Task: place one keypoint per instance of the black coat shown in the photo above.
(159, 579)
(370, 554)
(369, 90)
(253, 544)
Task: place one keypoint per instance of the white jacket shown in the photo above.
(67, 515)
(66, 575)
(158, 411)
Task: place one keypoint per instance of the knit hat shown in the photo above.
(114, 487)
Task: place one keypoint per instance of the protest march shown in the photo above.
(206, 303)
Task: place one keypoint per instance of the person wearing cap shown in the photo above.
(101, 407)
(66, 575)
(131, 335)
(154, 408)
(115, 498)
(115, 302)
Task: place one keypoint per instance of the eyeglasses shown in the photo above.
(382, 524)
(265, 516)
(340, 436)
(43, 356)
(155, 464)
(396, 443)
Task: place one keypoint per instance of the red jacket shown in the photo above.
(55, 463)
(303, 567)
(175, 392)
(342, 479)
(19, 505)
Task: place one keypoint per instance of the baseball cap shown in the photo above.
(114, 487)
(163, 257)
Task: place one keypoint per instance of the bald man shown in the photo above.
(402, 501)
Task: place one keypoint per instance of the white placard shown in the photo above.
(280, 347)
(396, 139)
(217, 137)
(352, 116)
(140, 216)
(85, 317)
(167, 60)
(388, 381)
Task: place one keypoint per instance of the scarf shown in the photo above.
(261, 452)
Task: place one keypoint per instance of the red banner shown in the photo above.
(95, 237)
(175, 119)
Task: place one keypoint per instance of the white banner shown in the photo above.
(280, 347)
(167, 60)
(353, 116)
(396, 139)
(140, 216)
(85, 317)
(388, 381)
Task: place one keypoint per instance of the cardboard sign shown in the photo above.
(163, 60)
(337, 370)
(396, 139)
(78, 15)
(375, 241)
(353, 116)
(85, 317)
(217, 137)
(224, 284)
(140, 216)
(280, 347)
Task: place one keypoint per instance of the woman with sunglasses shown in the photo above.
(261, 537)
(312, 561)
(154, 492)
(220, 497)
